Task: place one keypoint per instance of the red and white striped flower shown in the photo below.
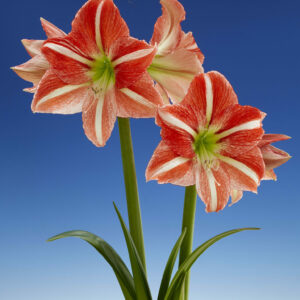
(273, 158)
(178, 58)
(209, 140)
(34, 69)
(98, 69)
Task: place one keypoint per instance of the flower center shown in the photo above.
(206, 146)
(102, 73)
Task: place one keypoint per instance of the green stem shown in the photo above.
(133, 204)
(188, 222)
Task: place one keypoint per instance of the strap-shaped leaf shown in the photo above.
(178, 290)
(187, 264)
(169, 267)
(139, 276)
(110, 255)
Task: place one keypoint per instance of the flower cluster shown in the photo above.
(208, 138)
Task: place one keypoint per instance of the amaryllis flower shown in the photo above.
(272, 156)
(34, 69)
(178, 58)
(209, 140)
(97, 69)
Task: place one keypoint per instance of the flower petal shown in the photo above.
(175, 71)
(240, 129)
(32, 70)
(163, 93)
(167, 30)
(178, 118)
(130, 59)
(55, 96)
(139, 100)
(188, 42)
(30, 89)
(99, 116)
(167, 167)
(268, 139)
(213, 187)
(273, 157)
(210, 93)
(33, 47)
(69, 63)
(270, 175)
(51, 30)
(245, 171)
(179, 128)
(102, 25)
(236, 196)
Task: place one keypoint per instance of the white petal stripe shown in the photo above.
(136, 97)
(246, 126)
(98, 120)
(168, 118)
(175, 162)
(241, 167)
(60, 91)
(209, 98)
(213, 190)
(132, 56)
(97, 26)
(67, 52)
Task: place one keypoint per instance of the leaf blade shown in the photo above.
(190, 260)
(169, 267)
(139, 276)
(110, 255)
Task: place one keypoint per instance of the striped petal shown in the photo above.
(130, 59)
(69, 63)
(175, 72)
(167, 167)
(270, 175)
(245, 171)
(167, 30)
(55, 96)
(188, 42)
(163, 93)
(210, 93)
(33, 47)
(213, 187)
(96, 26)
(179, 128)
(268, 139)
(240, 129)
(31, 90)
(51, 30)
(139, 100)
(236, 196)
(273, 157)
(32, 70)
(99, 115)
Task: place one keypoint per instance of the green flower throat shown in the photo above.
(206, 146)
(102, 72)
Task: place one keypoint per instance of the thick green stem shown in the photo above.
(188, 222)
(133, 204)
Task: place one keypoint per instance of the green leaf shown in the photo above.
(139, 276)
(187, 264)
(178, 290)
(110, 255)
(169, 267)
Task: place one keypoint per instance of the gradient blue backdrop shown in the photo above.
(53, 179)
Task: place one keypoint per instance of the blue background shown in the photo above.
(53, 179)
